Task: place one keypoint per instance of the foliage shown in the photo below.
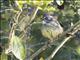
(16, 47)
(24, 19)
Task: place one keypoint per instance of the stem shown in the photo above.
(34, 14)
(62, 43)
(44, 47)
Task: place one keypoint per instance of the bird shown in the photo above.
(51, 28)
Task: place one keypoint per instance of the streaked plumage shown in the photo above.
(51, 27)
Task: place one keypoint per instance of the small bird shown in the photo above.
(51, 28)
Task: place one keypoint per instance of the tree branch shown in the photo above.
(46, 46)
(62, 43)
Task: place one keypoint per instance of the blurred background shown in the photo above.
(28, 15)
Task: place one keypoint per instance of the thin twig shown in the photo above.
(4, 37)
(6, 10)
(58, 47)
(14, 24)
(29, 22)
(36, 53)
(34, 14)
(13, 28)
(17, 18)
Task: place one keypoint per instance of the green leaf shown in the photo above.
(39, 3)
(41, 58)
(3, 56)
(17, 48)
(49, 9)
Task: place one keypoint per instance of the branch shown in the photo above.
(34, 14)
(62, 43)
(6, 10)
(46, 46)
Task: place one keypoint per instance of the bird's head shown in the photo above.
(49, 18)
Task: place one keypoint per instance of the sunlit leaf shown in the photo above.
(59, 2)
(51, 9)
(41, 58)
(39, 3)
(17, 48)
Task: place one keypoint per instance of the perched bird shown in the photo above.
(51, 28)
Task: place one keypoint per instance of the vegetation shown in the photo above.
(21, 37)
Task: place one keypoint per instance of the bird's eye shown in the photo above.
(46, 18)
